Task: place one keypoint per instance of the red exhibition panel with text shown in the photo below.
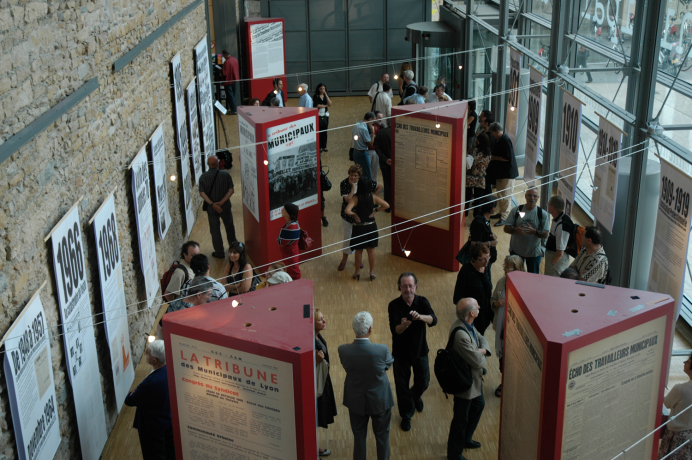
(585, 368)
(241, 378)
(429, 182)
(283, 168)
(266, 55)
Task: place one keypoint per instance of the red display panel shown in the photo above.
(266, 57)
(290, 132)
(584, 369)
(241, 379)
(429, 174)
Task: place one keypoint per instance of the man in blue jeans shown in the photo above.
(528, 224)
(362, 142)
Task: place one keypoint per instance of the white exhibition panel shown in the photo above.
(78, 334)
(145, 224)
(28, 370)
(113, 299)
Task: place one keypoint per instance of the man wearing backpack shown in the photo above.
(409, 88)
(592, 262)
(528, 224)
(181, 271)
(471, 348)
(556, 259)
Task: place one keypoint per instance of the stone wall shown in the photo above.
(48, 50)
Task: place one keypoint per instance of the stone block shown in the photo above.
(35, 10)
(5, 19)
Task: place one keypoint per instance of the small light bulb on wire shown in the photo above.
(461, 67)
(407, 253)
(172, 177)
(396, 77)
(355, 138)
(151, 338)
(437, 125)
(266, 162)
(512, 108)
(234, 303)
(300, 88)
(276, 92)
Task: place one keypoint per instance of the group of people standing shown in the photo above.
(367, 391)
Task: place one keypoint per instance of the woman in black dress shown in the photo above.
(472, 282)
(322, 103)
(326, 404)
(364, 235)
(481, 231)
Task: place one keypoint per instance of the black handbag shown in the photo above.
(325, 183)
(463, 255)
(350, 154)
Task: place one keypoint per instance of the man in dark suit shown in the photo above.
(153, 416)
(367, 392)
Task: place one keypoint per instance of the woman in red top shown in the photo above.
(288, 240)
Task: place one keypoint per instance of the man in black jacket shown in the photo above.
(502, 168)
(409, 314)
(153, 415)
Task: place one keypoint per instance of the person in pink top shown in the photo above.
(288, 240)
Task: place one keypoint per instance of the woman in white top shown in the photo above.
(680, 429)
(498, 302)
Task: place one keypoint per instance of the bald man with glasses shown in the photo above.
(529, 225)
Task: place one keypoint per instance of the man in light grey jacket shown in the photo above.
(472, 348)
(367, 392)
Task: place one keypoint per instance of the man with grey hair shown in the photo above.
(198, 292)
(367, 392)
(471, 347)
(305, 100)
(556, 259)
(409, 87)
(153, 416)
(502, 169)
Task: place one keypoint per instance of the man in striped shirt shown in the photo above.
(216, 189)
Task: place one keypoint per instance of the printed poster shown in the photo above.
(205, 100)
(292, 169)
(29, 375)
(422, 170)
(267, 44)
(193, 124)
(145, 225)
(232, 404)
(182, 141)
(569, 149)
(667, 272)
(248, 166)
(78, 333)
(533, 126)
(158, 160)
(611, 396)
(521, 408)
(113, 299)
(605, 179)
(513, 95)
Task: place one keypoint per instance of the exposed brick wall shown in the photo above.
(47, 51)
